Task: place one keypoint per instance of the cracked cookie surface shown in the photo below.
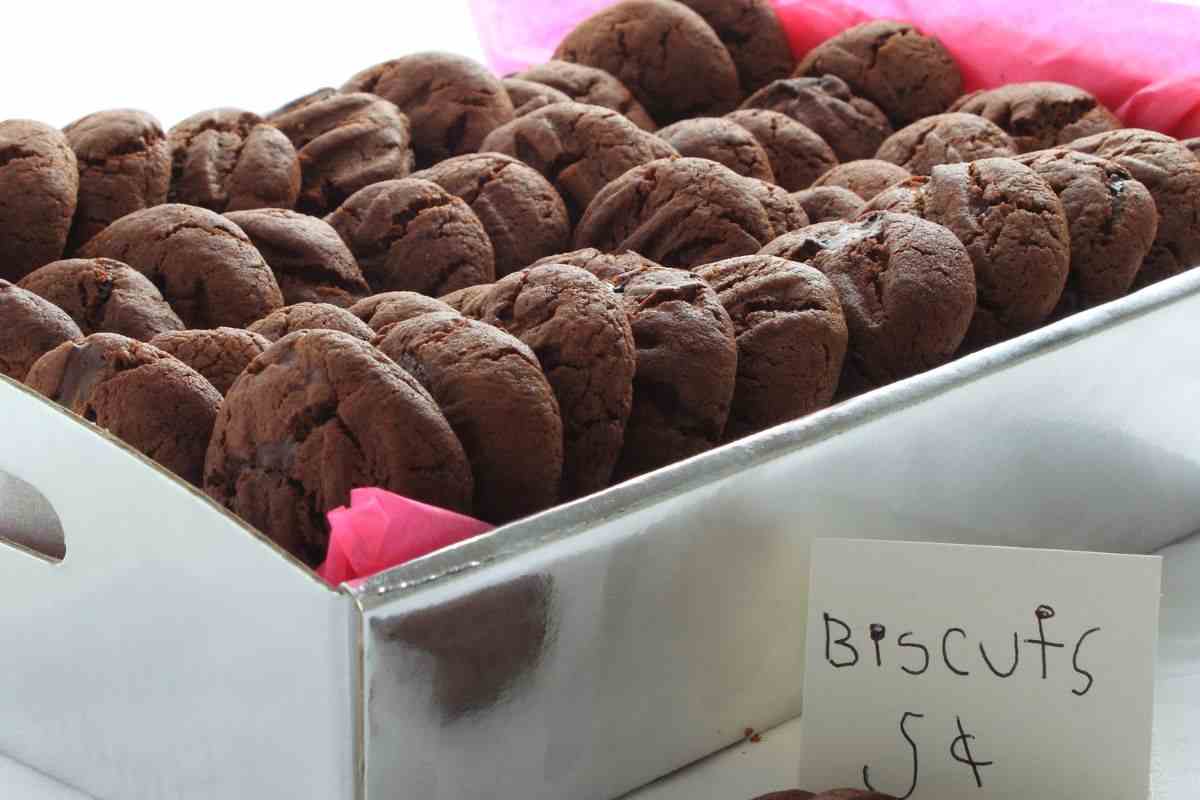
(388, 308)
(528, 96)
(865, 177)
(310, 317)
(219, 354)
(39, 187)
(754, 37)
(592, 86)
(1040, 114)
(945, 139)
(797, 154)
(829, 203)
(721, 140)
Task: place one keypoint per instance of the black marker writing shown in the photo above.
(1075, 662)
(916, 762)
(924, 651)
(878, 632)
(964, 739)
(1043, 613)
(946, 652)
(1016, 659)
(842, 642)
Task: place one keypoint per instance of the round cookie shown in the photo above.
(791, 339)
(798, 156)
(579, 148)
(388, 308)
(605, 266)
(452, 101)
(906, 197)
(310, 261)
(592, 86)
(754, 37)
(907, 288)
(491, 388)
(524, 216)
(528, 96)
(865, 177)
(721, 140)
(32, 327)
(678, 212)
(310, 317)
(219, 354)
(577, 328)
(829, 203)
(413, 235)
(1112, 221)
(324, 93)
(664, 52)
(203, 264)
(346, 142)
(783, 212)
(1172, 175)
(145, 397)
(1040, 115)
(853, 126)
(230, 160)
(945, 139)
(104, 296)
(39, 184)
(124, 166)
(906, 73)
(281, 459)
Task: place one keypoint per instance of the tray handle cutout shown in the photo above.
(28, 521)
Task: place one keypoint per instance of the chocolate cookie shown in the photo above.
(721, 140)
(907, 288)
(280, 458)
(945, 139)
(906, 73)
(579, 148)
(324, 93)
(1112, 220)
(577, 328)
(853, 126)
(310, 317)
(346, 142)
(468, 301)
(452, 101)
(679, 212)
(590, 85)
(310, 261)
(664, 52)
(230, 160)
(388, 308)
(866, 177)
(605, 266)
(791, 339)
(906, 197)
(219, 354)
(527, 96)
(829, 203)
(104, 296)
(491, 388)
(124, 166)
(783, 212)
(203, 264)
(1172, 175)
(1040, 115)
(39, 182)
(413, 235)
(754, 37)
(148, 399)
(798, 156)
(32, 327)
(524, 216)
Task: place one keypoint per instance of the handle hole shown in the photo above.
(28, 521)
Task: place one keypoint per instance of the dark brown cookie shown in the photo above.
(39, 183)
(381, 310)
(317, 95)
(906, 73)
(853, 126)
(1112, 219)
(784, 213)
(468, 301)
(145, 397)
(590, 85)
(866, 177)
(310, 261)
(754, 37)
(124, 166)
(219, 354)
(281, 458)
(412, 235)
(829, 203)
(1172, 175)
(679, 212)
(721, 140)
(1040, 115)
(605, 266)
(32, 327)
(310, 317)
(798, 155)
(577, 328)
(452, 101)
(528, 96)
(579, 148)
(524, 216)
(907, 288)
(906, 197)
(664, 52)
(491, 388)
(230, 160)
(945, 139)
(346, 142)
(104, 296)
(791, 339)
(203, 264)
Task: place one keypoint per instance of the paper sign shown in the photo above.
(947, 672)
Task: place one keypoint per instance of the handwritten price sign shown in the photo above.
(941, 672)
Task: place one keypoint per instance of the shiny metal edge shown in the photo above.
(563, 522)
